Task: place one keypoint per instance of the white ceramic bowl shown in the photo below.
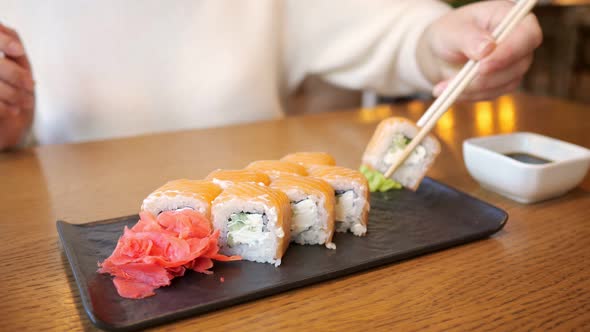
(486, 161)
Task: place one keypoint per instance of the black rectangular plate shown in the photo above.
(402, 224)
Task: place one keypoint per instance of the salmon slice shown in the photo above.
(256, 194)
(226, 177)
(337, 172)
(306, 184)
(176, 194)
(310, 158)
(275, 168)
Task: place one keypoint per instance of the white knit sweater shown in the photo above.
(111, 68)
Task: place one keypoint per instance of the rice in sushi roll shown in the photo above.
(180, 194)
(312, 203)
(227, 177)
(254, 222)
(389, 140)
(352, 197)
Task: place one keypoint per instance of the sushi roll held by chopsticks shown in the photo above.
(404, 152)
(387, 144)
(254, 222)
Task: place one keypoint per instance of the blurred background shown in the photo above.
(561, 66)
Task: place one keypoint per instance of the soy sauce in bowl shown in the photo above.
(527, 158)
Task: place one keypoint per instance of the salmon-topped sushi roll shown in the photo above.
(387, 144)
(351, 191)
(180, 194)
(254, 222)
(276, 168)
(227, 177)
(312, 203)
(307, 159)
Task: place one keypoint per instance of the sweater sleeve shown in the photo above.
(358, 44)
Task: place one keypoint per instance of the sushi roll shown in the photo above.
(254, 222)
(312, 203)
(389, 140)
(227, 177)
(351, 191)
(276, 168)
(180, 194)
(307, 159)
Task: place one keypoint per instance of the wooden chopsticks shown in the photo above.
(460, 82)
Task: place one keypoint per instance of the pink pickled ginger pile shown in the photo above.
(156, 250)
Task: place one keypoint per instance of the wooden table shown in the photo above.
(535, 274)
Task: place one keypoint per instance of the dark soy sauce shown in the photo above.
(527, 158)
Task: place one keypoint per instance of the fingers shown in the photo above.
(520, 43)
(14, 123)
(491, 93)
(490, 81)
(488, 84)
(7, 110)
(503, 68)
(475, 42)
(9, 94)
(10, 43)
(16, 97)
(17, 101)
(10, 46)
(15, 75)
(18, 55)
(15, 68)
(459, 38)
(14, 100)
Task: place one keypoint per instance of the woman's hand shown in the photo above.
(17, 89)
(466, 33)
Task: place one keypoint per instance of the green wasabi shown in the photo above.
(377, 181)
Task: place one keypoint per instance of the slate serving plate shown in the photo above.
(402, 224)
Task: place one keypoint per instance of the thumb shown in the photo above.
(455, 41)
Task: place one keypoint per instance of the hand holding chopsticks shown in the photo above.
(460, 82)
